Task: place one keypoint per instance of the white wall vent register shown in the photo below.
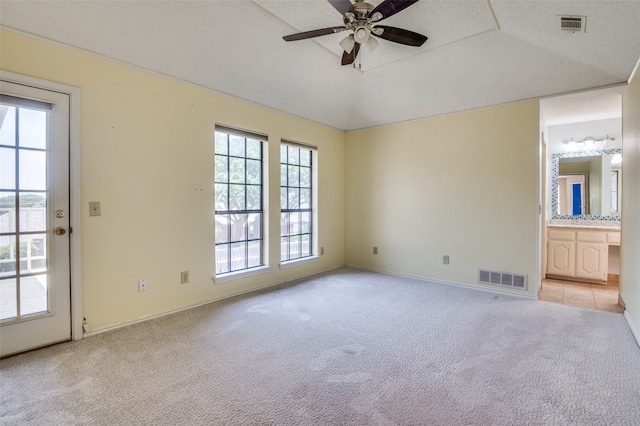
(573, 23)
(506, 279)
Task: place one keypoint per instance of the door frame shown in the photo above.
(75, 205)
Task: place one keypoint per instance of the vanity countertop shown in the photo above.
(612, 227)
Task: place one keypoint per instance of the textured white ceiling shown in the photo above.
(479, 52)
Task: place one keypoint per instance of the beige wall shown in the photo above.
(630, 232)
(147, 156)
(463, 185)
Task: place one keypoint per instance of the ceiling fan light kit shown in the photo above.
(360, 18)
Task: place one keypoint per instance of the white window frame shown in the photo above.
(313, 255)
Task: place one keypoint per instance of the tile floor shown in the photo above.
(592, 296)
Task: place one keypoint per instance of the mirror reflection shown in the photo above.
(587, 184)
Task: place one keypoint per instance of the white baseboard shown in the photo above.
(434, 280)
(632, 327)
(174, 311)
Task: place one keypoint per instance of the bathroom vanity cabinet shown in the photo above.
(579, 253)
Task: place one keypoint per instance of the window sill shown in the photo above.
(298, 262)
(222, 278)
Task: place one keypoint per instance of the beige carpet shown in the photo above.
(343, 348)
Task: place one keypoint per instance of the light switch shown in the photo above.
(94, 208)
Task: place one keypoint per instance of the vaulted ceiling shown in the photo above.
(479, 52)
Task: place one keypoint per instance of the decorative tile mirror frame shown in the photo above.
(555, 166)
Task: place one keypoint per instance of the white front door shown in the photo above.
(35, 290)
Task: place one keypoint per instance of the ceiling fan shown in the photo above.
(362, 19)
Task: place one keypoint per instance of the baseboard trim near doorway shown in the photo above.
(632, 327)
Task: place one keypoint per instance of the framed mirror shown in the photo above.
(586, 184)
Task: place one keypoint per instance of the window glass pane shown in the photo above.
(293, 175)
(222, 228)
(33, 294)
(284, 223)
(222, 196)
(305, 245)
(283, 199)
(222, 171)
(236, 146)
(255, 226)
(222, 259)
(253, 149)
(8, 128)
(7, 212)
(305, 177)
(221, 143)
(253, 197)
(33, 170)
(284, 248)
(254, 175)
(238, 256)
(305, 222)
(294, 155)
(238, 227)
(236, 170)
(294, 198)
(33, 128)
(255, 254)
(283, 175)
(294, 247)
(294, 223)
(8, 252)
(7, 168)
(33, 212)
(305, 198)
(236, 197)
(305, 157)
(283, 153)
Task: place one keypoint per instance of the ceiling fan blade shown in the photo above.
(390, 7)
(349, 58)
(342, 6)
(401, 36)
(313, 33)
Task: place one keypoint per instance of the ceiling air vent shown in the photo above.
(573, 23)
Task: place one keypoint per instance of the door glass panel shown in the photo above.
(33, 170)
(33, 253)
(33, 294)
(7, 125)
(7, 168)
(8, 301)
(7, 255)
(24, 287)
(33, 212)
(33, 129)
(7, 213)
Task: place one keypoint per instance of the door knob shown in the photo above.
(60, 230)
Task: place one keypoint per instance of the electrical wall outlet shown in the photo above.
(375, 250)
(184, 277)
(142, 285)
(445, 259)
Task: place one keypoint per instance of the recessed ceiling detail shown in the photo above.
(479, 53)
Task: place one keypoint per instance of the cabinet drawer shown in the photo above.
(558, 235)
(613, 238)
(592, 237)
